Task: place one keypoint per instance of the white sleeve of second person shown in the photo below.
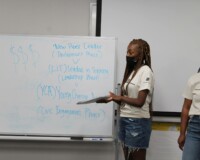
(188, 90)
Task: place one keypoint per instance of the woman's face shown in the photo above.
(132, 50)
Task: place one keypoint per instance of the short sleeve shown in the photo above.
(187, 93)
(147, 79)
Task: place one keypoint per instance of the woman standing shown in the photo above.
(135, 101)
(190, 120)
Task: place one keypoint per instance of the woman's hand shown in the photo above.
(103, 100)
(181, 141)
(114, 97)
(111, 97)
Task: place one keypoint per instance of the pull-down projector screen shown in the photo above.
(172, 30)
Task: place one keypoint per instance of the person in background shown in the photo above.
(189, 138)
(135, 101)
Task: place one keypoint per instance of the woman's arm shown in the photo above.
(137, 102)
(184, 122)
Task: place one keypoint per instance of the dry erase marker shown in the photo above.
(97, 139)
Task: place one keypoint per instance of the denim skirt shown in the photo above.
(135, 132)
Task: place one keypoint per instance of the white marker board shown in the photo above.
(42, 79)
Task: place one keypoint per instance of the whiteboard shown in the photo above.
(172, 30)
(42, 79)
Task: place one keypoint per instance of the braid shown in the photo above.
(144, 50)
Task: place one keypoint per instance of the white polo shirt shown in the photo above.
(192, 92)
(143, 80)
